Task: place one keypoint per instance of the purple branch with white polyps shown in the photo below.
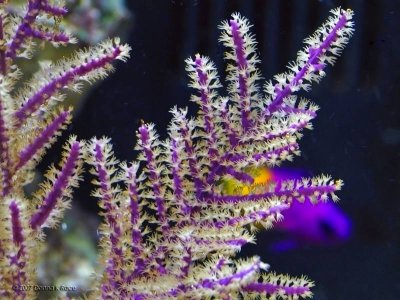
(172, 223)
(31, 120)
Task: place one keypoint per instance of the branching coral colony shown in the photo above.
(169, 230)
(30, 121)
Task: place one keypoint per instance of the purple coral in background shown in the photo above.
(170, 230)
(30, 121)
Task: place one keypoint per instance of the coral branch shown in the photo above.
(205, 79)
(44, 139)
(103, 161)
(87, 65)
(59, 185)
(184, 129)
(148, 143)
(317, 189)
(54, 10)
(47, 36)
(3, 65)
(5, 163)
(331, 37)
(264, 215)
(178, 179)
(132, 184)
(16, 224)
(243, 74)
(30, 121)
(18, 252)
(281, 285)
(25, 30)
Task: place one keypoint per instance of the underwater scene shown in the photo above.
(198, 149)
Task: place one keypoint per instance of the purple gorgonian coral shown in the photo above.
(31, 118)
(170, 230)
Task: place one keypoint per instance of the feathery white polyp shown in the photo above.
(184, 226)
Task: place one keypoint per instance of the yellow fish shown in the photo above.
(262, 176)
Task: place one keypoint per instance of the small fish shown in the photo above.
(321, 224)
(261, 177)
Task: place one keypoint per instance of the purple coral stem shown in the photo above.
(293, 128)
(47, 36)
(242, 79)
(116, 232)
(314, 56)
(205, 103)
(245, 219)
(18, 237)
(25, 28)
(212, 284)
(153, 175)
(44, 94)
(194, 172)
(2, 51)
(276, 152)
(18, 240)
(40, 141)
(225, 281)
(232, 135)
(134, 206)
(4, 153)
(269, 288)
(266, 155)
(296, 192)
(177, 181)
(135, 221)
(107, 199)
(59, 186)
(235, 243)
(54, 10)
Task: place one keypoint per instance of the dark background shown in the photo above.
(356, 135)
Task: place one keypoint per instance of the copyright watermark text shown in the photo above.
(43, 288)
